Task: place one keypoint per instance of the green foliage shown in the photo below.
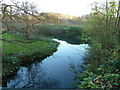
(72, 34)
(9, 64)
(106, 76)
(110, 67)
(103, 59)
(98, 55)
(100, 24)
(10, 59)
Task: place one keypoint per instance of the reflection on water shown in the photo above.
(54, 71)
(33, 78)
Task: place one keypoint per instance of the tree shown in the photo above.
(24, 13)
(101, 22)
(103, 69)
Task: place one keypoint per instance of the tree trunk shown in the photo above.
(118, 18)
(117, 26)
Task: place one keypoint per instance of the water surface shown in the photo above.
(55, 71)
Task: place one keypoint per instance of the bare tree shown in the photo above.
(23, 11)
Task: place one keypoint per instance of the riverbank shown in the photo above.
(18, 51)
(55, 71)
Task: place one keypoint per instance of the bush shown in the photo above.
(72, 34)
(106, 76)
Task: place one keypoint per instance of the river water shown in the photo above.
(55, 71)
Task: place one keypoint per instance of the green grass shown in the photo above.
(17, 48)
(20, 47)
(16, 54)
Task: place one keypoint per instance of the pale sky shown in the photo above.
(70, 7)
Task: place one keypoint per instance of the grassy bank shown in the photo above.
(17, 52)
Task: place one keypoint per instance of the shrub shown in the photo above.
(106, 76)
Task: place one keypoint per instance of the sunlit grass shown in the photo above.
(20, 47)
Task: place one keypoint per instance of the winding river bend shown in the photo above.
(54, 71)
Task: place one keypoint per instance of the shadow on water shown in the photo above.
(54, 71)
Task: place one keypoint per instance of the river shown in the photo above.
(55, 71)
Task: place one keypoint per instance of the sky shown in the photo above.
(70, 7)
